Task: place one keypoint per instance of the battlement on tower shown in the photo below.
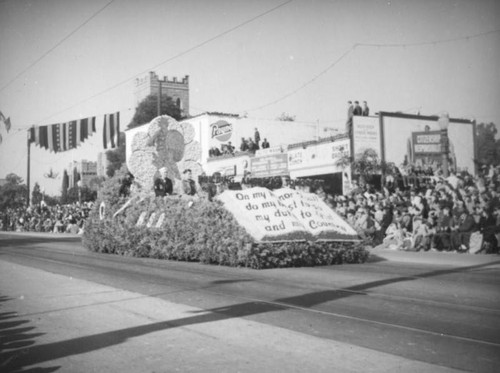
(177, 89)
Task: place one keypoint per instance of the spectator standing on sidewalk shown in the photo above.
(257, 138)
(365, 110)
(357, 109)
(350, 114)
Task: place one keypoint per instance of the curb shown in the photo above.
(433, 257)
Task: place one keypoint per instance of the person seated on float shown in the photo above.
(188, 184)
(163, 185)
(126, 183)
(265, 144)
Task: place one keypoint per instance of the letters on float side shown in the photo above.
(316, 216)
(141, 219)
(160, 221)
(285, 214)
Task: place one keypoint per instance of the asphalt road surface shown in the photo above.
(63, 308)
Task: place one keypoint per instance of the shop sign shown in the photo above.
(426, 142)
(221, 130)
(270, 165)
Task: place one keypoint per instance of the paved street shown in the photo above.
(65, 309)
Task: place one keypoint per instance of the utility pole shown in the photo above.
(28, 168)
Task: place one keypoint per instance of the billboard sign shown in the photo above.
(269, 165)
(366, 135)
(320, 155)
(221, 130)
(417, 140)
(426, 143)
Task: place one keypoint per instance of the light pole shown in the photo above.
(444, 122)
(79, 183)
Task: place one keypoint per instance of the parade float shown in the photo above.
(255, 227)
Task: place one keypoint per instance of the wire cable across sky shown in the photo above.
(362, 45)
(180, 54)
(55, 46)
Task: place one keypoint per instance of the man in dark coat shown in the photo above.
(125, 185)
(461, 236)
(257, 138)
(366, 110)
(188, 184)
(243, 145)
(357, 109)
(163, 185)
(350, 113)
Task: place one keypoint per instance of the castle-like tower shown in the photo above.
(178, 90)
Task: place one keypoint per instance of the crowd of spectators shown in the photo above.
(249, 144)
(42, 218)
(460, 213)
(419, 211)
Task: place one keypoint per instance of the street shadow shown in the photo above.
(28, 356)
(16, 336)
(31, 240)
(232, 281)
(372, 258)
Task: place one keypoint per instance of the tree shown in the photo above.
(116, 157)
(36, 195)
(52, 200)
(65, 185)
(87, 194)
(96, 182)
(366, 167)
(488, 149)
(285, 117)
(147, 110)
(13, 193)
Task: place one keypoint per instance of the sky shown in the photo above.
(62, 60)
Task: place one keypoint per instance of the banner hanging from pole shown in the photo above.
(61, 137)
(111, 130)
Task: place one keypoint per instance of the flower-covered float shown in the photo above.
(255, 227)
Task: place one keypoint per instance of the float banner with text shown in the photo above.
(286, 215)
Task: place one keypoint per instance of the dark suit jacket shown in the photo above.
(163, 187)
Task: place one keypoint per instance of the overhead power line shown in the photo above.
(419, 44)
(223, 33)
(55, 46)
(358, 45)
(331, 66)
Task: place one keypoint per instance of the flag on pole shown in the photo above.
(5, 121)
(111, 130)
